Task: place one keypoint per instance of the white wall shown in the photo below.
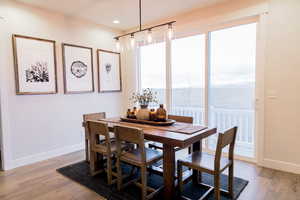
(282, 72)
(36, 127)
(278, 68)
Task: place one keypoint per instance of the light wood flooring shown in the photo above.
(40, 181)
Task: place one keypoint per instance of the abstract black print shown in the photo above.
(108, 67)
(79, 69)
(109, 71)
(38, 72)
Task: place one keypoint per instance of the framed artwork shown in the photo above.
(109, 71)
(78, 69)
(35, 65)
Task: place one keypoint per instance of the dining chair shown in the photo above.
(92, 116)
(212, 164)
(108, 148)
(184, 119)
(141, 157)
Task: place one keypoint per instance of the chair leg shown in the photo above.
(119, 172)
(109, 170)
(144, 182)
(230, 181)
(87, 150)
(179, 175)
(217, 186)
(93, 159)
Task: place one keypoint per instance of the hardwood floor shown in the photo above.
(40, 181)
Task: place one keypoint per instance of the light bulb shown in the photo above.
(132, 41)
(149, 36)
(118, 44)
(170, 32)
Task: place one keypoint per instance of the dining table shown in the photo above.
(180, 135)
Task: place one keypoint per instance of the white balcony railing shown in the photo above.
(224, 119)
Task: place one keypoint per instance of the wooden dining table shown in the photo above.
(177, 135)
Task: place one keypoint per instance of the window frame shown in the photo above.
(259, 76)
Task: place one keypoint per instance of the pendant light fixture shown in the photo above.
(170, 31)
(118, 44)
(132, 40)
(149, 36)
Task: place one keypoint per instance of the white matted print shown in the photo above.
(78, 68)
(109, 71)
(35, 65)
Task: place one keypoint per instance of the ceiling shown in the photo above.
(126, 11)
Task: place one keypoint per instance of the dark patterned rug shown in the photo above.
(79, 172)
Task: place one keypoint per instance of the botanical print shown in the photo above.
(37, 72)
(35, 65)
(78, 69)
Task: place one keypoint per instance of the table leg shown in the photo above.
(169, 171)
(197, 176)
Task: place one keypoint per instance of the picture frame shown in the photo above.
(109, 71)
(35, 65)
(78, 69)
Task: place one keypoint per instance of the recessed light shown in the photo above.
(116, 21)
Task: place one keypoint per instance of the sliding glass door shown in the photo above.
(153, 69)
(210, 77)
(232, 84)
(188, 64)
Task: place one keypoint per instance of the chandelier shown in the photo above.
(148, 29)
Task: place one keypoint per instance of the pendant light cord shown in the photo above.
(140, 7)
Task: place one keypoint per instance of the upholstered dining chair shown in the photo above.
(107, 148)
(184, 119)
(215, 165)
(92, 116)
(140, 157)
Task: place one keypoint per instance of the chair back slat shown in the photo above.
(225, 139)
(94, 116)
(128, 134)
(96, 129)
(183, 119)
(228, 137)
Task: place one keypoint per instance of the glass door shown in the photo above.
(188, 64)
(153, 69)
(231, 85)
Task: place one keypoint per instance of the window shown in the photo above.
(232, 84)
(226, 80)
(153, 69)
(188, 64)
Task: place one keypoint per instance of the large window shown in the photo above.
(219, 91)
(232, 84)
(153, 69)
(188, 64)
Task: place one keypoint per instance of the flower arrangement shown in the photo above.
(145, 97)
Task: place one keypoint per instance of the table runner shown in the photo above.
(178, 127)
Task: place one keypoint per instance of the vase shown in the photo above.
(143, 113)
(161, 113)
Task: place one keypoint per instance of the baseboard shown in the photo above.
(281, 165)
(43, 156)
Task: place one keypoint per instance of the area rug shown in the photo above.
(79, 172)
